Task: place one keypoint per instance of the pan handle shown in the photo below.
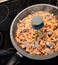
(15, 59)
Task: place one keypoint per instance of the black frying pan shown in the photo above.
(21, 15)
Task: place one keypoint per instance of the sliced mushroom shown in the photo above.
(50, 45)
(36, 44)
(24, 44)
(48, 51)
(50, 33)
(33, 44)
(23, 29)
(50, 17)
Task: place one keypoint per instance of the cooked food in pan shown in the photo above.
(29, 39)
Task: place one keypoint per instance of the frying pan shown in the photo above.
(21, 15)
